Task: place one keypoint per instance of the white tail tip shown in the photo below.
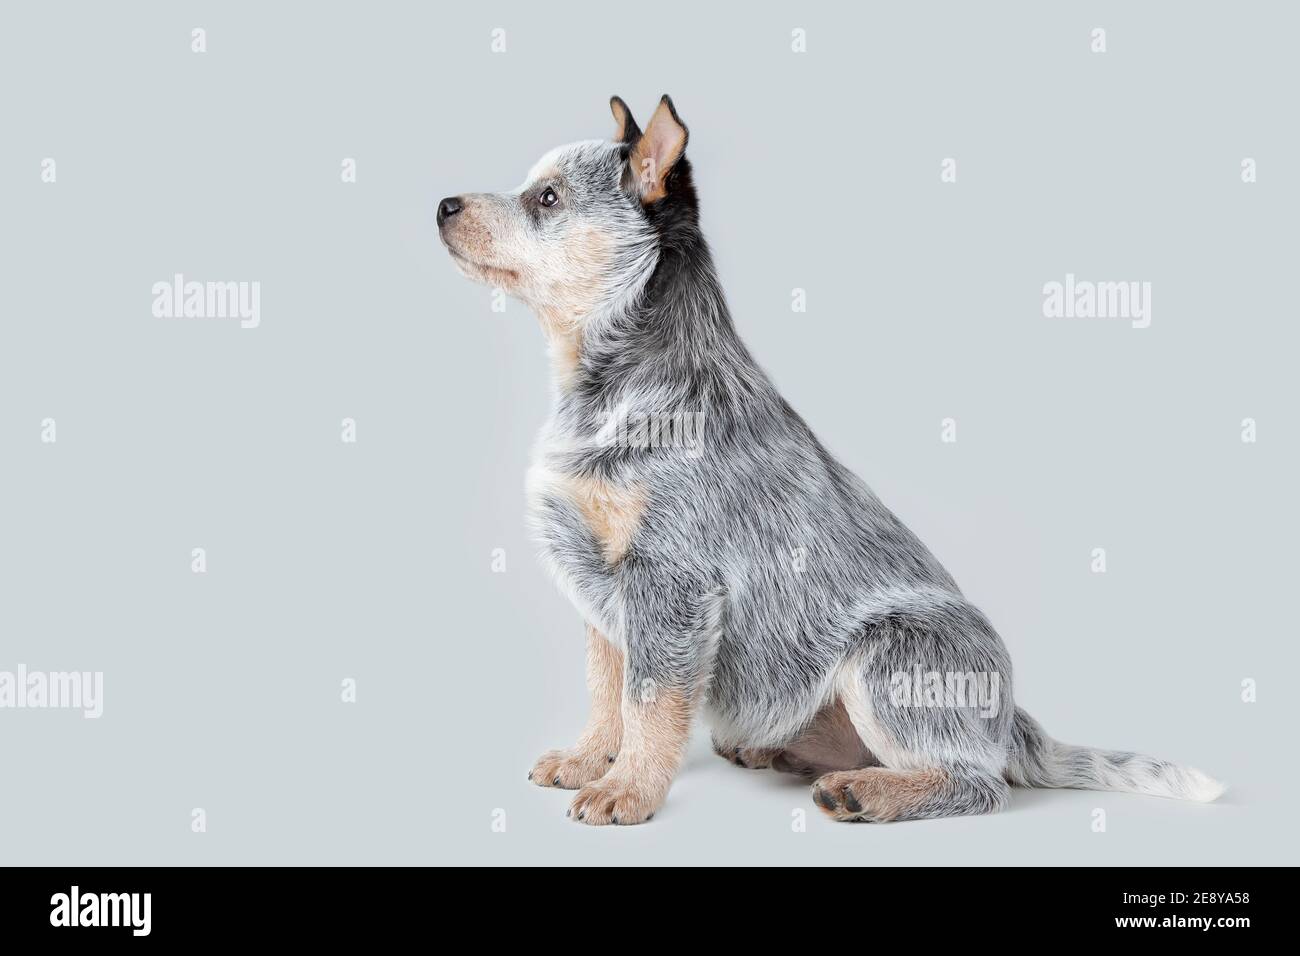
(1202, 787)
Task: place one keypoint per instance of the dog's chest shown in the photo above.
(562, 502)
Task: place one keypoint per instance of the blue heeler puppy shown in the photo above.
(724, 562)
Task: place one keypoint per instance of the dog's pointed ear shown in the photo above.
(626, 131)
(656, 152)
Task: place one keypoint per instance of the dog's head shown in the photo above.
(585, 227)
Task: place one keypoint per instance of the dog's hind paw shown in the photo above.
(878, 795)
(570, 769)
(751, 758)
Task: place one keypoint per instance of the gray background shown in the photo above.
(373, 560)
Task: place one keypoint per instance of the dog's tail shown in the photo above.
(1036, 760)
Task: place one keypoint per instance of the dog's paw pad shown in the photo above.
(843, 796)
(824, 799)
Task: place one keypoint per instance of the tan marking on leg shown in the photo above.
(612, 512)
(875, 793)
(605, 683)
(596, 749)
(655, 733)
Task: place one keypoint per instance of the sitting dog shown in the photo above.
(730, 565)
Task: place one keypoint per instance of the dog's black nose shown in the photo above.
(448, 208)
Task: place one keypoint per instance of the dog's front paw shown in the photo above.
(570, 769)
(617, 798)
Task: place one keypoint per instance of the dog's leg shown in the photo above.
(943, 753)
(655, 731)
(880, 795)
(599, 744)
(670, 632)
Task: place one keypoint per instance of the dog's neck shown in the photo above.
(563, 334)
(673, 340)
(567, 331)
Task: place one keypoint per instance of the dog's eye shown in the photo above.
(548, 197)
